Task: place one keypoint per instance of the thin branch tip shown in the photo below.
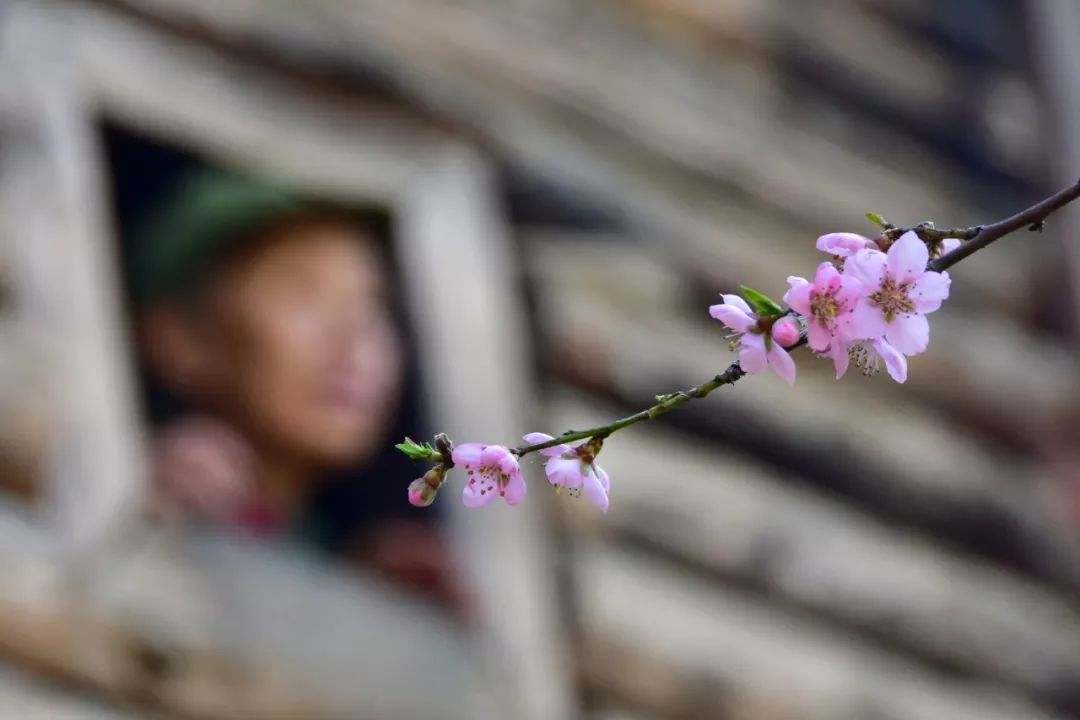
(975, 238)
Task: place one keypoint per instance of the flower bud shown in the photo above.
(785, 332)
(423, 490)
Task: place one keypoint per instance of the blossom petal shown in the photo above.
(752, 355)
(851, 289)
(738, 302)
(842, 244)
(895, 362)
(817, 336)
(798, 297)
(910, 334)
(515, 489)
(735, 318)
(841, 359)
(508, 464)
(479, 491)
(564, 471)
(908, 257)
(468, 454)
(493, 455)
(867, 321)
(824, 274)
(949, 244)
(929, 291)
(594, 491)
(782, 364)
(867, 266)
(604, 480)
(535, 438)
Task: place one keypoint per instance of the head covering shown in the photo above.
(201, 217)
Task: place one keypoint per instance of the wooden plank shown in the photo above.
(333, 144)
(875, 53)
(26, 421)
(23, 696)
(618, 713)
(1054, 24)
(210, 627)
(741, 520)
(859, 438)
(56, 245)
(667, 638)
(470, 324)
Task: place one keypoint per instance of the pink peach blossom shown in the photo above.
(493, 471)
(827, 303)
(842, 244)
(757, 351)
(567, 468)
(899, 293)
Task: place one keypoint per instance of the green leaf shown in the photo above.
(877, 220)
(415, 450)
(762, 303)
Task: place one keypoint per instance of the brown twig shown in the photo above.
(976, 238)
(1031, 218)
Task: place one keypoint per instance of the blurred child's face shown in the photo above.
(307, 358)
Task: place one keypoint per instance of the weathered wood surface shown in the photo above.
(740, 519)
(324, 140)
(23, 697)
(672, 149)
(699, 178)
(473, 349)
(618, 713)
(53, 236)
(1053, 23)
(211, 628)
(26, 423)
(678, 643)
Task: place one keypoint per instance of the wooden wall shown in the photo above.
(840, 550)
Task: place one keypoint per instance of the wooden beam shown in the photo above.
(54, 238)
(27, 426)
(1053, 27)
(473, 347)
(740, 519)
(330, 143)
(213, 628)
(27, 698)
(666, 638)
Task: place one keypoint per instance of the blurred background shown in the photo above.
(247, 245)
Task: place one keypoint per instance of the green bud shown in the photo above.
(417, 451)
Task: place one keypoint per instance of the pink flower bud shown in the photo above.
(423, 490)
(785, 332)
